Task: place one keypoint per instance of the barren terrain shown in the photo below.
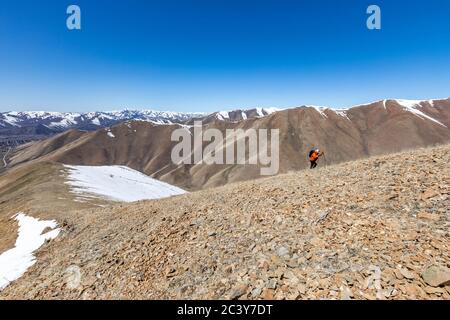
(375, 228)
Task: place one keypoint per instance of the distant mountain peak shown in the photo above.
(60, 121)
(28, 122)
(244, 114)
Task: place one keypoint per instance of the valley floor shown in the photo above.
(376, 228)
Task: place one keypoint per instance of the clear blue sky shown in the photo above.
(207, 55)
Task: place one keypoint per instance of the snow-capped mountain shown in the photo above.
(238, 115)
(60, 121)
(40, 124)
(429, 110)
(47, 123)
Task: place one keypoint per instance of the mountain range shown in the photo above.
(381, 127)
(44, 123)
(80, 220)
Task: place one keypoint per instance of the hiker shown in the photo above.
(314, 156)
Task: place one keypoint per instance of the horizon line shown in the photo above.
(224, 110)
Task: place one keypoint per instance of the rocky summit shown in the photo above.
(375, 228)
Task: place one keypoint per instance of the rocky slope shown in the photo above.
(378, 128)
(375, 228)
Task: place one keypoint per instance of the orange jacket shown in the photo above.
(314, 156)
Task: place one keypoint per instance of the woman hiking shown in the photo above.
(314, 155)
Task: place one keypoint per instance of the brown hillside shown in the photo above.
(379, 128)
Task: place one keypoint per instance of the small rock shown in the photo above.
(428, 216)
(398, 274)
(394, 292)
(292, 263)
(301, 288)
(282, 252)
(272, 284)
(324, 283)
(431, 290)
(374, 281)
(321, 216)
(285, 288)
(279, 273)
(275, 260)
(413, 290)
(346, 293)
(228, 269)
(388, 292)
(267, 294)
(293, 296)
(436, 276)
(407, 274)
(430, 193)
(265, 265)
(170, 272)
(256, 293)
(238, 291)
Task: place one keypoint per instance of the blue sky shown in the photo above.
(220, 54)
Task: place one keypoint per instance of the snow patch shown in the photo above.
(259, 112)
(64, 123)
(408, 103)
(118, 183)
(271, 110)
(16, 261)
(11, 120)
(110, 134)
(186, 127)
(411, 106)
(223, 115)
(321, 110)
(341, 113)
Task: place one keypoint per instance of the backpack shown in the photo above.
(312, 151)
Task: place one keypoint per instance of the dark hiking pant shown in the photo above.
(313, 164)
